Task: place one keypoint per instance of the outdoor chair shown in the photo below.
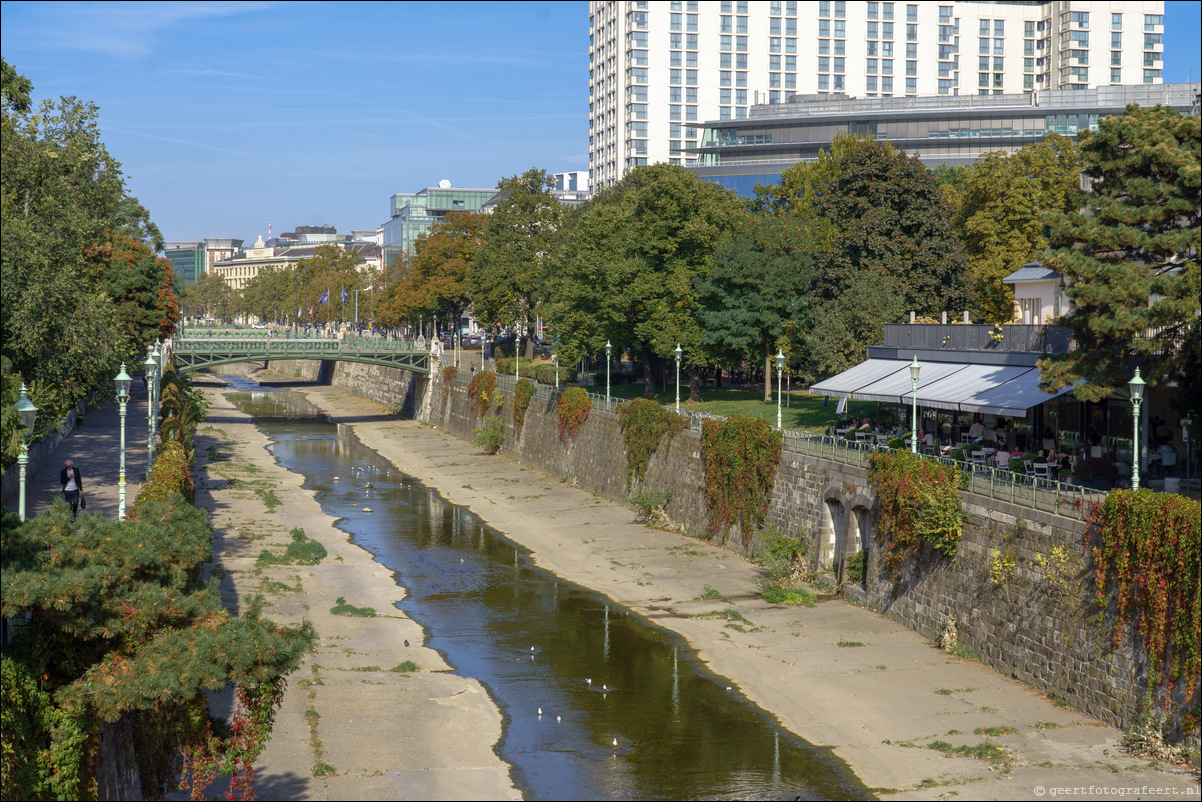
(977, 458)
(1040, 471)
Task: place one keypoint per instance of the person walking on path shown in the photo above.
(72, 483)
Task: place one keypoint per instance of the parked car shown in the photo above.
(258, 325)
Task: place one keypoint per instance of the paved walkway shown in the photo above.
(95, 448)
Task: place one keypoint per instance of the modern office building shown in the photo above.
(738, 154)
(413, 213)
(658, 70)
(187, 260)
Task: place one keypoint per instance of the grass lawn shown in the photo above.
(811, 413)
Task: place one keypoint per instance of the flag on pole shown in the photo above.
(344, 294)
(325, 299)
(299, 310)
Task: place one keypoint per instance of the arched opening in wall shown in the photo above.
(833, 546)
(862, 522)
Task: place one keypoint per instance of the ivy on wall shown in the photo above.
(644, 424)
(741, 455)
(521, 402)
(573, 410)
(481, 391)
(1148, 555)
(918, 502)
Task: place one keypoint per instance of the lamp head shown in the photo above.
(122, 380)
(150, 365)
(678, 352)
(780, 359)
(609, 349)
(1137, 388)
(914, 368)
(27, 411)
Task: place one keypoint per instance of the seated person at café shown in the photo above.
(1053, 464)
(865, 426)
(928, 440)
(976, 432)
(1065, 462)
(1002, 457)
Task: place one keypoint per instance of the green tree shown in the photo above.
(120, 626)
(211, 297)
(1129, 257)
(758, 280)
(435, 283)
(894, 231)
(76, 296)
(271, 294)
(1002, 203)
(625, 267)
(331, 269)
(505, 269)
(802, 184)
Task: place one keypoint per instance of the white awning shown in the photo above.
(1012, 398)
(897, 388)
(948, 392)
(862, 375)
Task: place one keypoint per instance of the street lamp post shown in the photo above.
(780, 366)
(555, 362)
(609, 349)
(160, 357)
(517, 341)
(149, 366)
(122, 381)
(1136, 386)
(678, 352)
(914, 368)
(29, 414)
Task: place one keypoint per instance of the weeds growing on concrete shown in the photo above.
(342, 608)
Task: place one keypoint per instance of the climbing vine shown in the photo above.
(481, 390)
(573, 410)
(1148, 555)
(448, 377)
(741, 456)
(644, 423)
(522, 394)
(919, 502)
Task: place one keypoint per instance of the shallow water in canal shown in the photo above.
(535, 642)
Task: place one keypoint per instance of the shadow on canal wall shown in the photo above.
(1040, 625)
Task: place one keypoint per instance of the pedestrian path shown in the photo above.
(95, 449)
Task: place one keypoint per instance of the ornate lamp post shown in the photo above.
(555, 362)
(780, 366)
(160, 357)
(29, 414)
(150, 366)
(517, 356)
(914, 368)
(1136, 386)
(122, 380)
(609, 349)
(678, 352)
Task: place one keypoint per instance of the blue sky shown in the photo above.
(226, 114)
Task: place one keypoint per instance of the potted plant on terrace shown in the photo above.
(1097, 473)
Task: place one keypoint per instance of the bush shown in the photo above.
(482, 390)
(171, 474)
(650, 506)
(781, 560)
(491, 435)
(545, 374)
(897, 443)
(857, 567)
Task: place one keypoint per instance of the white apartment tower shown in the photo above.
(660, 68)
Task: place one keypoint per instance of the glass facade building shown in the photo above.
(413, 213)
(738, 154)
(187, 260)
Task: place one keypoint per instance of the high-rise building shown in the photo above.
(658, 70)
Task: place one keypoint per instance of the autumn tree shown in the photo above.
(333, 270)
(435, 283)
(1002, 203)
(1128, 251)
(505, 269)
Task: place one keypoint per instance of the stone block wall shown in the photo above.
(400, 390)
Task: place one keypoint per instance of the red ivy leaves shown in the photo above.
(741, 456)
(1150, 553)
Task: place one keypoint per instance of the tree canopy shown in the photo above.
(1002, 202)
(434, 283)
(1129, 256)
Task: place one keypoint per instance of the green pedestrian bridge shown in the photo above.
(193, 353)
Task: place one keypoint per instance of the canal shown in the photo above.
(627, 711)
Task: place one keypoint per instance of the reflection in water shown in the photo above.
(598, 674)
